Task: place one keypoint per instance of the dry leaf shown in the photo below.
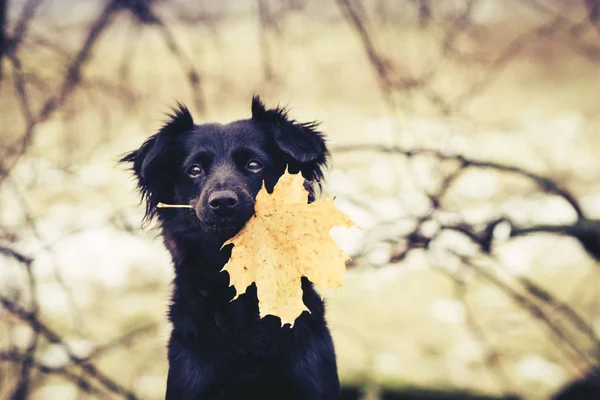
(283, 241)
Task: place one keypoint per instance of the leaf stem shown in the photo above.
(163, 205)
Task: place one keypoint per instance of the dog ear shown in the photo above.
(302, 143)
(150, 161)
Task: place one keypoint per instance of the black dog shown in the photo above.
(221, 349)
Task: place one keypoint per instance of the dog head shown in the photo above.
(219, 169)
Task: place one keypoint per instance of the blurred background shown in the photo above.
(465, 142)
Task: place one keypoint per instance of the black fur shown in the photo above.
(586, 388)
(221, 349)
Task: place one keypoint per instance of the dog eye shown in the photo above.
(254, 166)
(194, 171)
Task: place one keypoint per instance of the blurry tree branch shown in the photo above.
(265, 24)
(495, 67)
(7, 251)
(39, 327)
(567, 343)
(186, 64)
(546, 184)
(393, 81)
(141, 9)
(3, 33)
(71, 79)
(572, 333)
(425, 12)
(121, 340)
(593, 7)
(37, 101)
(144, 14)
(23, 22)
(9, 43)
(381, 67)
(491, 356)
(81, 382)
(23, 387)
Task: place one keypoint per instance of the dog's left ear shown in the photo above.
(152, 162)
(302, 143)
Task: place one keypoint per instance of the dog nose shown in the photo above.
(222, 201)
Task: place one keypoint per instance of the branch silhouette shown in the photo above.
(572, 334)
(53, 337)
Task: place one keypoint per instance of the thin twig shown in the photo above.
(376, 60)
(81, 382)
(54, 338)
(546, 184)
(4, 39)
(70, 81)
(163, 205)
(27, 14)
(570, 347)
(193, 76)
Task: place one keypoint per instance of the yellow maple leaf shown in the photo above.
(287, 239)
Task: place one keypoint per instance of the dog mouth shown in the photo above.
(224, 225)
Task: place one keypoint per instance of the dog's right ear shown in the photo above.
(150, 162)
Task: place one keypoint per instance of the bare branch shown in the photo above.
(81, 382)
(187, 65)
(70, 80)
(546, 184)
(20, 257)
(3, 33)
(491, 357)
(593, 7)
(121, 340)
(377, 61)
(27, 13)
(568, 346)
(264, 20)
(53, 337)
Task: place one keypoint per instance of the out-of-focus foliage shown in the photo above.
(464, 136)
